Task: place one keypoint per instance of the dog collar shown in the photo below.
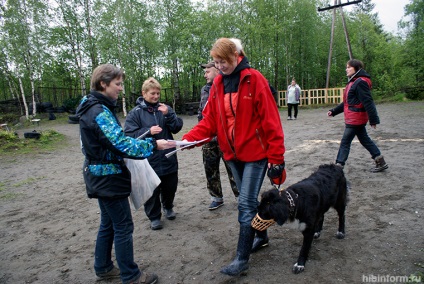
(292, 204)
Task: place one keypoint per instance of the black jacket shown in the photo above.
(145, 115)
(104, 146)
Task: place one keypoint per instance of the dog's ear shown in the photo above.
(280, 211)
(267, 200)
(272, 206)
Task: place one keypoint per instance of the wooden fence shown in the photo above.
(314, 97)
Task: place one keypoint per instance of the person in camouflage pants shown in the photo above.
(211, 153)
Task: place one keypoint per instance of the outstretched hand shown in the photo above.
(186, 147)
(163, 144)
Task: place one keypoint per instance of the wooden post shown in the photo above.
(337, 4)
(349, 48)
(330, 52)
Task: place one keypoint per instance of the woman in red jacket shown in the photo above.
(242, 113)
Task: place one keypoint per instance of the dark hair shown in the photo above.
(105, 73)
(356, 64)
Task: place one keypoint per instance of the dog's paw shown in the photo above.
(340, 235)
(298, 268)
(317, 235)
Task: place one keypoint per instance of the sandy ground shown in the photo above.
(48, 226)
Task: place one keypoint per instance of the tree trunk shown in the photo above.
(124, 104)
(23, 98)
(91, 46)
(34, 104)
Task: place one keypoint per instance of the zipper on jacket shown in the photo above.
(260, 139)
(222, 120)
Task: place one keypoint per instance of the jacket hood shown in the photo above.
(139, 101)
(244, 63)
(231, 81)
(360, 73)
(92, 99)
(144, 104)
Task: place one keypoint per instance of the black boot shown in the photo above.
(261, 240)
(240, 263)
(380, 165)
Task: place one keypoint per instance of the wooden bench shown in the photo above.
(36, 121)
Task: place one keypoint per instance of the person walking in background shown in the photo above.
(211, 152)
(358, 108)
(274, 93)
(159, 121)
(104, 146)
(242, 113)
(293, 99)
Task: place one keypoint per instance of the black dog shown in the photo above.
(307, 201)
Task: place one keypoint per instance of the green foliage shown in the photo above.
(9, 118)
(169, 39)
(72, 103)
(417, 277)
(11, 143)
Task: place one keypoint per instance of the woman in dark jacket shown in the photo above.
(359, 108)
(160, 122)
(104, 146)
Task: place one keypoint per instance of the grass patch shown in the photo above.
(10, 143)
(6, 195)
(27, 181)
(9, 196)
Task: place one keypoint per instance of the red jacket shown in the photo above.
(258, 132)
(358, 105)
(354, 111)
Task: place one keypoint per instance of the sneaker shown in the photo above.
(146, 278)
(156, 224)
(289, 118)
(112, 274)
(215, 205)
(294, 118)
(169, 214)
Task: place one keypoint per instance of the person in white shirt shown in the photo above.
(293, 99)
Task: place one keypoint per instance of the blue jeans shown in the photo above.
(364, 139)
(249, 177)
(116, 226)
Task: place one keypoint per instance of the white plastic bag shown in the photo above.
(144, 180)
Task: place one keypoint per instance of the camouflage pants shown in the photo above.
(211, 159)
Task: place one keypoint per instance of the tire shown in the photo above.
(33, 135)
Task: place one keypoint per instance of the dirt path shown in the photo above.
(48, 226)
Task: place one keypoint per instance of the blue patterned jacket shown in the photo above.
(105, 145)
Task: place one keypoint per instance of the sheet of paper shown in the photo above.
(186, 143)
(183, 145)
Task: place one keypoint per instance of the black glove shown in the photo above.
(276, 171)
